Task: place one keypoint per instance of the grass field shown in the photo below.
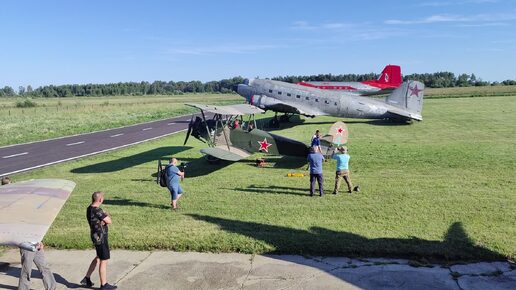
(486, 91)
(58, 117)
(442, 189)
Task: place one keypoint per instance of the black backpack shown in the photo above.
(162, 175)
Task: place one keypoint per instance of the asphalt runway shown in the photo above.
(28, 156)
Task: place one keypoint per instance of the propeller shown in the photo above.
(190, 126)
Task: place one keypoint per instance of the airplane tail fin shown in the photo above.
(409, 98)
(391, 75)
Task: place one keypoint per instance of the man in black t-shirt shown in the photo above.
(98, 220)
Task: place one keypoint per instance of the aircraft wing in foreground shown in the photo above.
(28, 208)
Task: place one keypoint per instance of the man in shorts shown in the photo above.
(98, 220)
(174, 175)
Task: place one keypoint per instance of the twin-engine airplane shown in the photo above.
(389, 79)
(404, 104)
(28, 208)
(232, 138)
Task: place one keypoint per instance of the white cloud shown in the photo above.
(450, 3)
(305, 25)
(443, 18)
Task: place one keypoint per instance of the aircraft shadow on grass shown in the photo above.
(273, 189)
(129, 202)
(133, 160)
(379, 122)
(317, 241)
(196, 167)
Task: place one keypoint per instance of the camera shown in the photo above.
(182, 166)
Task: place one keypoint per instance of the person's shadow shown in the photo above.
(35, 274)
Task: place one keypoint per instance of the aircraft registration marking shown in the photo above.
(14, 155)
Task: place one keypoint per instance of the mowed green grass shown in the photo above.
(483, 91)
(56, 117)
(441, 189)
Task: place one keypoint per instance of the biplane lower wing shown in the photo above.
(28, 208)
(233, 154)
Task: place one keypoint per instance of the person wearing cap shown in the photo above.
(342, 169)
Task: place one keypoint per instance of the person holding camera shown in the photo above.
(174, 175)
(98, 220)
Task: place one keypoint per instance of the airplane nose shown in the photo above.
(245, 91)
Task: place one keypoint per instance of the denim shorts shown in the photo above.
(175, 190)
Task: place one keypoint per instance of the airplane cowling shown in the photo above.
(263, 101)
(267, 103)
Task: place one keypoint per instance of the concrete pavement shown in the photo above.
(172, 270)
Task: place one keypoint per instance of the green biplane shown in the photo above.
(232, 137)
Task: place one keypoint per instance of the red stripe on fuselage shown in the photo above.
(327, 87)
(376, 84)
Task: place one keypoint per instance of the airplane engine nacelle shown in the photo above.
(263, 102)
(267, 103)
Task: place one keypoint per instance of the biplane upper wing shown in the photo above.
(28, 208)
(237, 109)
(222, 152)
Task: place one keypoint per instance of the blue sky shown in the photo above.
(63, 42)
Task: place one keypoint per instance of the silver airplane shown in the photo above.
(404, 104)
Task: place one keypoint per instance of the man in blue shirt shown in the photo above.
(315, 161)
(174, 175)
(316, 142)
(342, 169)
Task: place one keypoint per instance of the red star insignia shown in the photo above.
(340, 131)
(414, 91)
(264, 145)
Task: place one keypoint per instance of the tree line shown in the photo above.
(432, 80)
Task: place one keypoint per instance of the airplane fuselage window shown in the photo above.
(279, 93)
